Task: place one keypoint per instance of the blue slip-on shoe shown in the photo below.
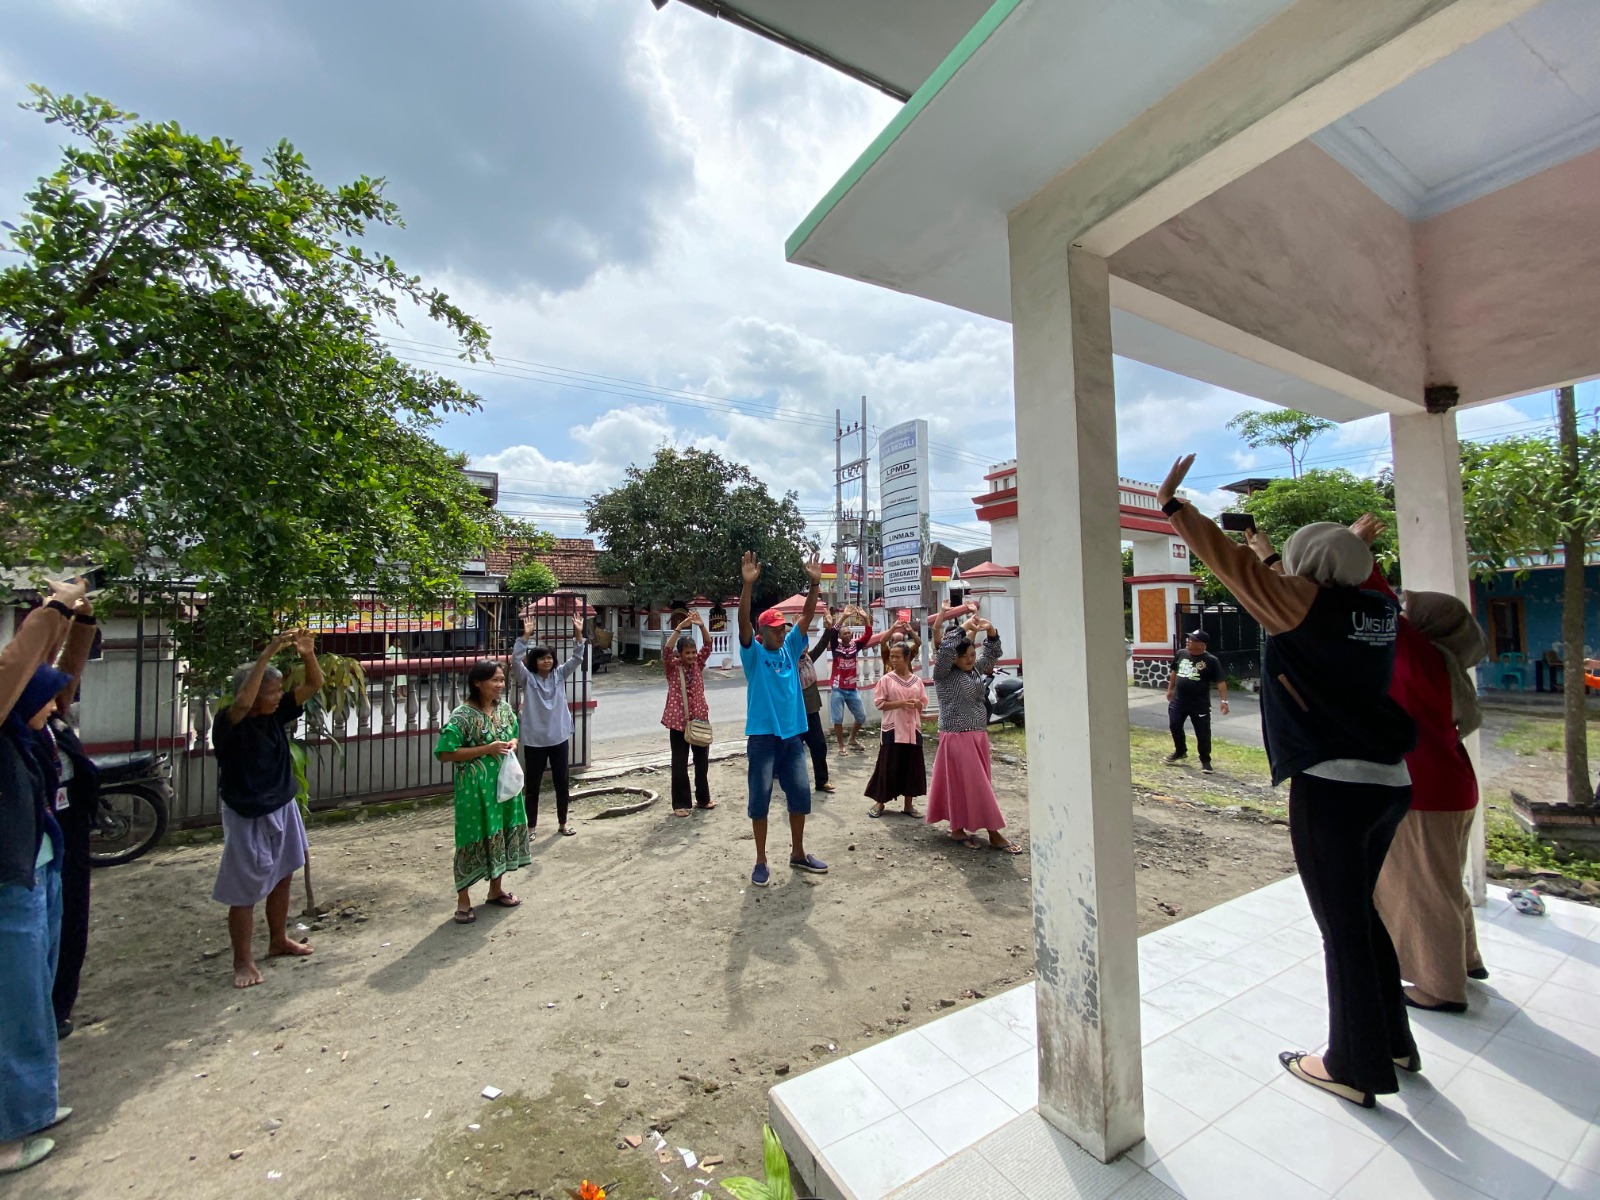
(809, 863)
(760, 877)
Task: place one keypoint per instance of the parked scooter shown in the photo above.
(1004, 698)
(135, 798)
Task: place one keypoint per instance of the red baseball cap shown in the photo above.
(772, 617)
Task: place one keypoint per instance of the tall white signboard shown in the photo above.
(903, 502)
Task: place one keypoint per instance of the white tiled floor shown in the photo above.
(1506, 1109)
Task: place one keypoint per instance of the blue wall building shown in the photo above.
(1523, 616)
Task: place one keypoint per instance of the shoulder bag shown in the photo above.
(695, 731)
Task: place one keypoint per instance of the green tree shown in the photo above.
(531, 577)
(1286, 428)
(1539, 496)
(1285, 505)
(677, 528)
(191, 375)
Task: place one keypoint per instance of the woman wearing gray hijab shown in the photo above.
(1420, 895)
(1331, 729)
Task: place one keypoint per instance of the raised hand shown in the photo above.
(69, 591)
(1259, 542)
(303, 641)
(527, 627)
(1174, 480)
(814, 570)
(577, 626)
(750, 569)
(1367, 527)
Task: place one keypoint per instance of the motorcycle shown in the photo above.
(1004, 698)
(135, 799)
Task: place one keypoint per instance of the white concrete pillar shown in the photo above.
(1433, 547)
(1079, 784)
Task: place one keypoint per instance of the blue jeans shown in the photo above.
(30, 938)
(840, 699)
(772, 757)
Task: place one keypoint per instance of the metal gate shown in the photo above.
(416, 662)
(1235, 636)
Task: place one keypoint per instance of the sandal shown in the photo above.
(1008, 848)
(466, 916)
(568, 831)
(1291, 1063)
(504, 900)
(680, 812)
(910, 812)
(969, 842)
(875, 811)
(34, 1149)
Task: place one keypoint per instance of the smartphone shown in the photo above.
(1238, 522)
(94, 580)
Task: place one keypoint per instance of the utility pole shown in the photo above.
(850, 524)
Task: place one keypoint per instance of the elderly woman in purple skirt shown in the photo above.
(263, 837)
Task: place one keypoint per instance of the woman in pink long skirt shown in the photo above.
(962, 791)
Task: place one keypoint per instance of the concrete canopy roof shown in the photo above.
(1041, 91)
(895, 43)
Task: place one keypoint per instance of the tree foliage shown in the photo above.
(677, 528)
(1288, 429)
(1519, 502)
(191, 376)
(1284, 505)
(531, 577)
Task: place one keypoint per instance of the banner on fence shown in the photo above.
(903, 500)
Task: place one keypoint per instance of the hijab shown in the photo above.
(1327, 553)
(37, 745)
(1449, 625)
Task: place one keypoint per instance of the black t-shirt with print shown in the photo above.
(1195, 675)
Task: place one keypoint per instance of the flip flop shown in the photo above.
(875, 811)
(969, 843)
(465, 918)
(504, 900)
(909, 812)
(708, 806)
(569, 832)
(1008, 848)
(1291, 1063)
(34, 1149)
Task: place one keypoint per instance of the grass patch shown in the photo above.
(1506, 842)
(1531, 736)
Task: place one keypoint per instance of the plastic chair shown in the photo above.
(1513, 671)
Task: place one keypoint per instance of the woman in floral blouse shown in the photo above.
(684, 668)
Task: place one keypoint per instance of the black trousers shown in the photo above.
(681, 750)
(534, 761)
(74, 909)
(1177, 713)
(817, 743)
(1341, 834)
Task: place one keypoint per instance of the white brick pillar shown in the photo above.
(1433, 546)
(1079, 784)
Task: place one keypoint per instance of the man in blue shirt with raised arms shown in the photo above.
(775, 717)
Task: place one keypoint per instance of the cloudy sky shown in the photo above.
(609, 189)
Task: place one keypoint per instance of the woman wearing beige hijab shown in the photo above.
(1420, 895)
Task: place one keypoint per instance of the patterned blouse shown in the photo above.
(962, 694)
(695, 679)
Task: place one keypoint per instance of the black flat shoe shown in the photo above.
(1448, 1006)
(1478, 973)
(1411, 1063)
(1291, 1063)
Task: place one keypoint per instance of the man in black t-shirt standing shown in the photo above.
(1194, 670)
(263, 837)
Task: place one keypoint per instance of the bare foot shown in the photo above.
(246, 974)
(287, 949)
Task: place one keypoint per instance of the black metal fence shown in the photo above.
(1235, 636)
(415, 662)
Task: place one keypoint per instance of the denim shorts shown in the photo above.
(772, 757)
(840, 699)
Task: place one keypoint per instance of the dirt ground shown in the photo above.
(643, 984)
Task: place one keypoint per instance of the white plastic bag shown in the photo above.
(511, 777)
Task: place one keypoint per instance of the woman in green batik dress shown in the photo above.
(491, 834)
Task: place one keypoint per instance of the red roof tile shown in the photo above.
(572, 559)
